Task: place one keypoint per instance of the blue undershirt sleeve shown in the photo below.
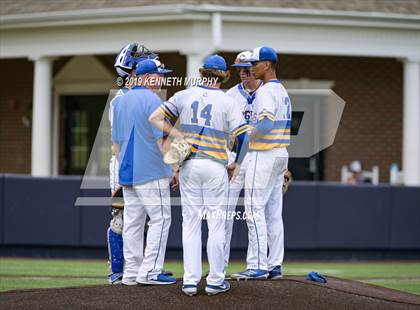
(242, 148)
(264, 126)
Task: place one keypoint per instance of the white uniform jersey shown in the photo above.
(207, 117)
(244, 101)
(264, 179)
(273, 102)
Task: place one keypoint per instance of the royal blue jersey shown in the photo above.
(140, 158)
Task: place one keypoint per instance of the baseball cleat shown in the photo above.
(161, 279)
(275, 273)
(250, 274)
(217, 289)
(129, 282)
(167, 273)
(189, 289)
(115, 278)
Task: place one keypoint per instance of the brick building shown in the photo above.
(56, 61)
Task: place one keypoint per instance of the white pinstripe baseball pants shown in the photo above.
(203, 184)
(152, 199)
(264, 199)
(235, 188)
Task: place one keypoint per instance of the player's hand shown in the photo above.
(287, 180)
(175, 181)
(233, 170)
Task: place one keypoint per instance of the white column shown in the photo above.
(217, 33)
(411, 122)
(194, 62)
(41, 117)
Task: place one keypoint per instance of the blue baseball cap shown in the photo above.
(151, 66)
(263, 53)
(215, 62)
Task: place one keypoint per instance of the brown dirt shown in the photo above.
(290, 293)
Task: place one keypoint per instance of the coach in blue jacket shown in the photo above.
(144, 177)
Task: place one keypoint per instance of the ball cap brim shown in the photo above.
(163, 71)
(242, 65)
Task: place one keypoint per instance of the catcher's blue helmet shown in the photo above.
(129, 56)
(242, 60)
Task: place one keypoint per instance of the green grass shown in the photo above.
(17, 273)
(406, 285)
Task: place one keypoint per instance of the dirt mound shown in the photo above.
(289, 293)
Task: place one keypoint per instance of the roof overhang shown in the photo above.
(203, 29)
(203, 12)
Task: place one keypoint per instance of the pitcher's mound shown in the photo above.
(289, 293)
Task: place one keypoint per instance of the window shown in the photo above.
(81, 117)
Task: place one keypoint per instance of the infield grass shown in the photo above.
(21, 273)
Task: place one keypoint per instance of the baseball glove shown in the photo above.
(117, 201)
(178, 152)
(287, 180)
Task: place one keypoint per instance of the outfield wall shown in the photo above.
(40, 212)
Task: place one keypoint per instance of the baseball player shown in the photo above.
(207, 117)
(266, 168)
(243, 94)
(125, 62)
(144, 188)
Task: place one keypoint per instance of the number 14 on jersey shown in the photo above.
(205, 113)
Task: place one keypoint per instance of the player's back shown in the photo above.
(140, 156)
(205, 116)
(133, 112)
